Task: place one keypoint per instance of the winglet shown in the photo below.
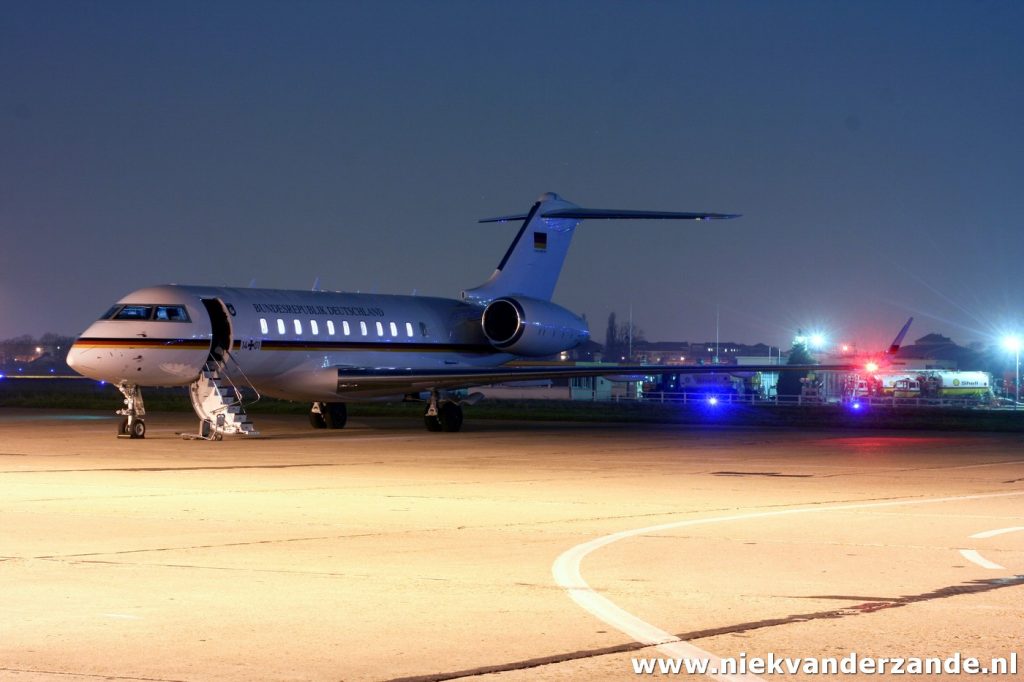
(898, 341)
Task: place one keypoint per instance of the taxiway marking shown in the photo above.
(997, 531)
(974, 556)
(566, 571)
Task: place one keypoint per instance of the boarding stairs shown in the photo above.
(219, 404)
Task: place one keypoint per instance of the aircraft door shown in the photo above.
(220, 326)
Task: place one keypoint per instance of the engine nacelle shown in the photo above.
(526, 326)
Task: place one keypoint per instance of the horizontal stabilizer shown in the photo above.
(504, 218)
(615, 214)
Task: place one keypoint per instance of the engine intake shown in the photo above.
(527, 326)
(503, 322)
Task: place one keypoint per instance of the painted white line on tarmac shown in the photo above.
(997, 531)
(975, 558)
(566, 571)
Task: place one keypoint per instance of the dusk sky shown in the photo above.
(875, 151)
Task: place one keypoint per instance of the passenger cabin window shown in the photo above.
(135, 312)
(264, 329)
(280, 326)
(171, 313)
(298, 326)
(362, 328)
(380, 329)
(330, 327)
(394, 329)
(344, 328)
(408, 329)
(423, 330)
(314, 327)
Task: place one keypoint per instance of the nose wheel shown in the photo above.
(132, 429)
(133, 425)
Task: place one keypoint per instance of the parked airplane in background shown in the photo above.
(330, 348)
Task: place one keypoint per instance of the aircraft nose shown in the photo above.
(74, 359)
(79, 361)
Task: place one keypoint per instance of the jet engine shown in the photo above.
(527, 326)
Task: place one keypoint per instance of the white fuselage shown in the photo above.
(287, 344)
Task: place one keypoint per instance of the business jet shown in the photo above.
(330, 348)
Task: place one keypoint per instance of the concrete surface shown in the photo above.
(383, 551)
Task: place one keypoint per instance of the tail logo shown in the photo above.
(540, 241)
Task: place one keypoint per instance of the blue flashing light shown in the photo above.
(2, 377)
(856, 405)
(103, 383)
(713, 400)
(52, 371)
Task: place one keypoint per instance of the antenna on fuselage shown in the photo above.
(252, 283)
(316, 284)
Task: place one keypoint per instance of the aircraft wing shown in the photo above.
(407, 379)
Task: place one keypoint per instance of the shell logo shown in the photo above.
(956, 382)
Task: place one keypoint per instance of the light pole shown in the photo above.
(1013, 343)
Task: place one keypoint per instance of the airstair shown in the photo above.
(219, 404)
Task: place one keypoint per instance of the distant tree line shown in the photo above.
(48, 351)
(619, 338)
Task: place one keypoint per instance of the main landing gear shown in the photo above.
(442, 415)
(328, 416)
(133, 425)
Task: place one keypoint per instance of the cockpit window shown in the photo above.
(135, 312)
(171, 313)
(138, 311)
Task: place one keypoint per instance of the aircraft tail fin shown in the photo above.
(534, 260)
(898, 341)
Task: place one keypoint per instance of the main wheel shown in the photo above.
(316, 419)
(433, 423)
(137, 429)
(450, 415)
(335, 415)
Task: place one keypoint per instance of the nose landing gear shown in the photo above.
(133, 425)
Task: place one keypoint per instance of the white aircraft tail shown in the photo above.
(533, 262)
